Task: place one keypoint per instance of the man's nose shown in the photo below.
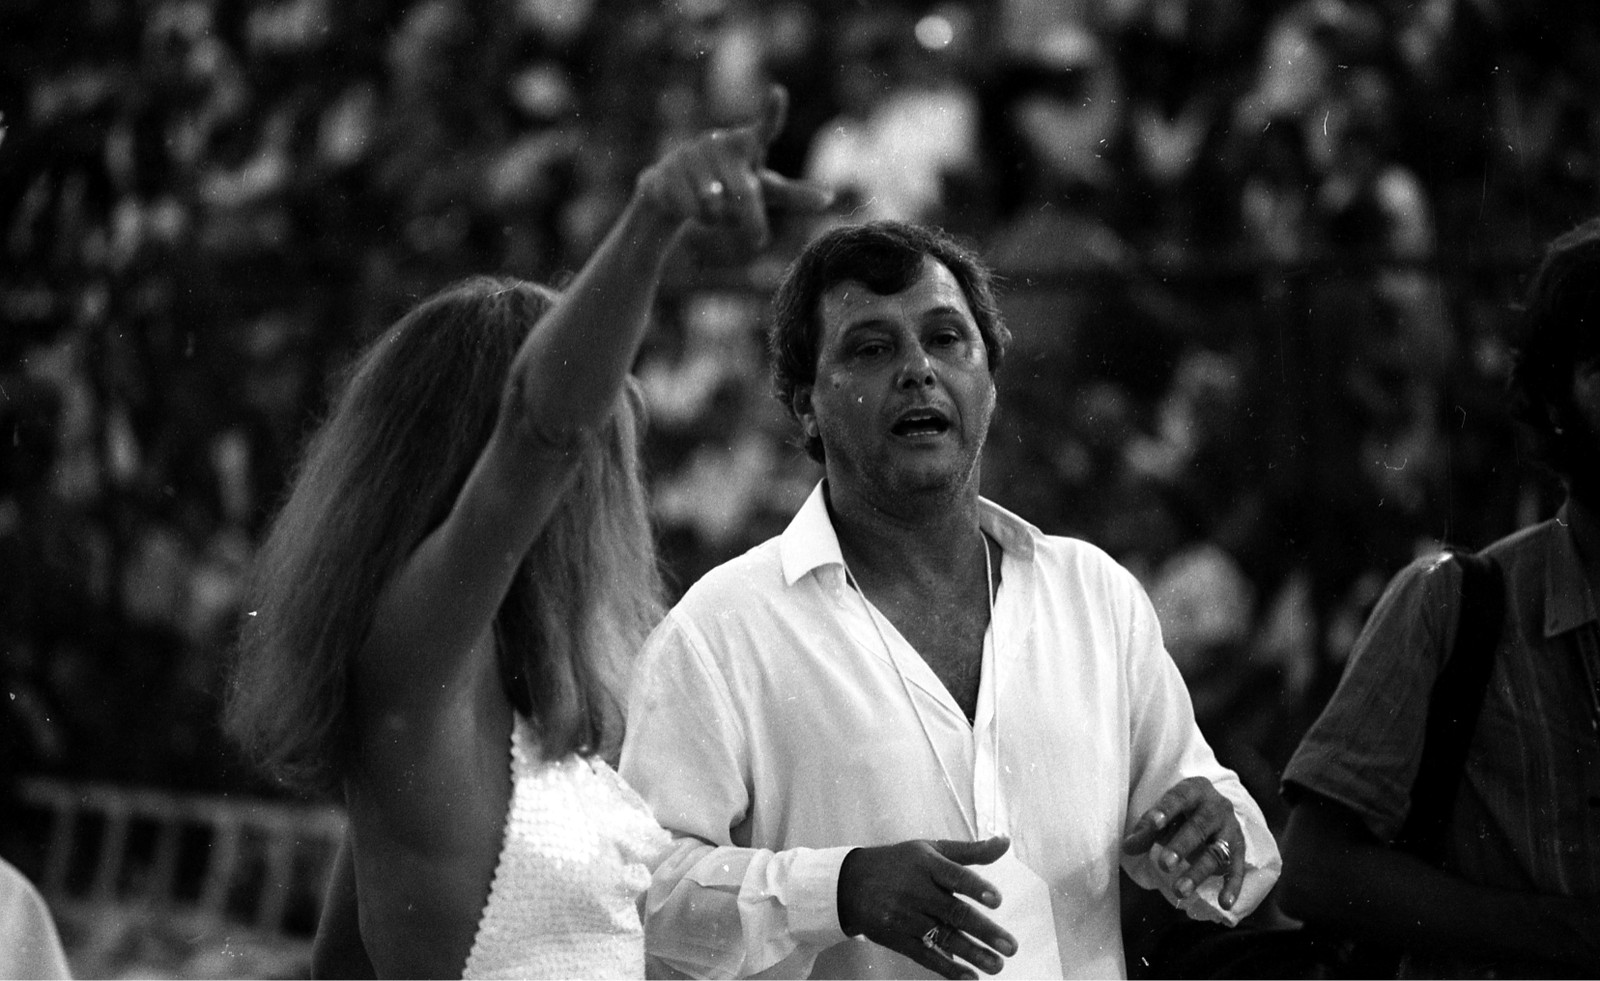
(916, 370)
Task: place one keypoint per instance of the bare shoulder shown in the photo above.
(427, 805)
(427, 766)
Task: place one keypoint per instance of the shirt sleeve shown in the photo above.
(1364, 749)
(30, 947)
(714, 908)
(1166, 747)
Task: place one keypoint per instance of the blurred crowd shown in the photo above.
(1260, 259)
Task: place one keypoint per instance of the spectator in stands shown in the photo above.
(30, 947)
(906, 132)
(445, 606)
(1183, 64)
(1515, 890)
(1052, 114)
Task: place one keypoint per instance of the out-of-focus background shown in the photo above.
(1261, 259)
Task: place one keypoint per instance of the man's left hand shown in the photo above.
(1195, 835)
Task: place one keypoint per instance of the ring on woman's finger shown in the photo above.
(1221, 851)
(934, 938)
(713, 190)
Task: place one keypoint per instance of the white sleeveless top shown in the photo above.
(578, 850)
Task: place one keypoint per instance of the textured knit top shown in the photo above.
(578, 850)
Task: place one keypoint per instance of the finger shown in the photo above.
(1187, 844)
(955, 877)
(969, 920)
(1171, 811)
(712, 203)
(972, 852)
(687, 185)
(749, 210)
(1149, 826)
(792, 195)
(941, 957)
(1207, 863)
(1234, 881)
(668, 189)
(774, 114)
(746, 145)
(958, 944)
(1200, 868)
(935, 960)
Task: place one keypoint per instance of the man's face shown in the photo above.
(1585, 464)
(1586, 393)
(903, 395)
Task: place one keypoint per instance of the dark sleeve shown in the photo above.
(1364, 749)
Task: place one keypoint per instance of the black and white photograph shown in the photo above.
(799, 489)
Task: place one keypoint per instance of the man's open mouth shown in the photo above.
(920, 423)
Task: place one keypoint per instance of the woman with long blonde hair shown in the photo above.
(445, 606)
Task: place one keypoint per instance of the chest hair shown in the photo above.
(949, 637)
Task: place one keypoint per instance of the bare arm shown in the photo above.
(1337, 875)
(428, 784)
(563, 383)
(338, 951)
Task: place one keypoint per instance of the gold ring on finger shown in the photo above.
(1221, 851)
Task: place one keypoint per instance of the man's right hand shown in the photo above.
(895, 894)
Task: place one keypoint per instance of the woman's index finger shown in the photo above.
(774, 114)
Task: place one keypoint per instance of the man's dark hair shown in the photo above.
(1560, 331)
(886, 256)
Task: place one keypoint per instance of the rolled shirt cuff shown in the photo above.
(814, 901)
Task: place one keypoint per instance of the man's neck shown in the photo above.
(923, 540)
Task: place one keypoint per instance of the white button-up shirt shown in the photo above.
(775, 723)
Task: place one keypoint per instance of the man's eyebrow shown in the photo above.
(948, 311)
(935, 314)
(866, 322)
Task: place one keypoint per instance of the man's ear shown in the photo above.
(800, 405)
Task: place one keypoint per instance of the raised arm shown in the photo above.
(427, 783)
(563, 384)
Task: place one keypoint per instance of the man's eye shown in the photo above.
(871, 350)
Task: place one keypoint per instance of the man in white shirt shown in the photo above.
(913, 733)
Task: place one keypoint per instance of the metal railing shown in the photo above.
(212, 872)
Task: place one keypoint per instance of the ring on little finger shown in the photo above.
(1221, 851)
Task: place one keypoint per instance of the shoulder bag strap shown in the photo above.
(1455, 704)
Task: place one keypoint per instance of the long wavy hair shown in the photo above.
(383, 470)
